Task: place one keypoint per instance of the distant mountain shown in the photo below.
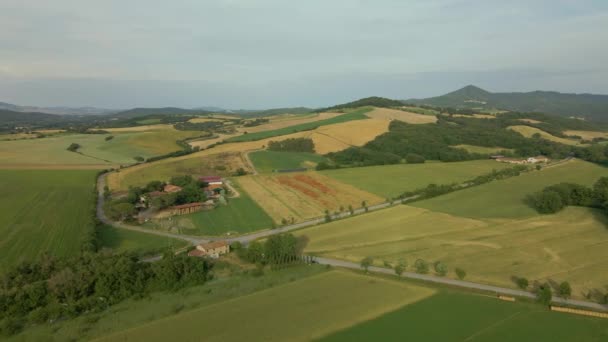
(11, 119)
(137, 112)
(594, 107)
(56, 110)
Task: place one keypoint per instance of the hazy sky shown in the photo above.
(271, 53)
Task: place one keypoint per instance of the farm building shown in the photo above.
(211, 249)
(170, 188)
(212, 180)
(538, 159)
(530, 160)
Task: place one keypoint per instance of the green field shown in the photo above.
(358, 114)
(487, 230)
(453, 316)
(482, 149)
(44, 211)
(393, 180)
(241, 215)
(121, 240)
(298, 311)
(506, 198)
(268, 161)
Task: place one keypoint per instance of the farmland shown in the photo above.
(318, 305)
(392, 180)
(528, 132)
(241, 215)
(120, 240)
(44, 211)
(299, 196)
(284, 121)
(401, 115)
(502, 235)
(465, 317)
(267, 161)
(587, 135)
(358, 114)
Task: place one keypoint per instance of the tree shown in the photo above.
(366, 263)
(522, 283)
(400, 268)
(440, 268)
(240, 172)
(364, 205)
(547, 202)
(413, 158)
(351, 210)
(544, 294)
(73, 147)
(421, 266)
(565, 290)
(460, 273)
(327, 216)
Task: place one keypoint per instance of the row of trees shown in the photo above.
(421, 266)
(556, 197)
(276, 250)
(52, 289)
(292, 145)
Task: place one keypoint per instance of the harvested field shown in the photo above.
(334, 138)
(319, 305)
(528, 132)
(401, 115)
(268, 161)
(287, 121)
(18, 136)
(303, 195)
(532, 121)
(587, 135)
(200, 120)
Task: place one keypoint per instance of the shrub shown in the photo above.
(544, 294)
(440, 268)
(460, 273)
(522, 283)
(421, 266)
(413, 158)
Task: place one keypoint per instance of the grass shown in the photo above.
(506, 198)
(482, 149)
(528, 132)
(241, 215)
(121, 240)
(268, 161)
(44, 211)
(358, 114)
(298, 311)
(452, 316)
(392, 180)
(568, 246)
(303, 195)
(157, 305)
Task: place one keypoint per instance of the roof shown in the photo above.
(196, 252)
(210, 179)
(187, 205)
(172, 188)
(213, 245)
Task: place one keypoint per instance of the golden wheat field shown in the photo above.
(395, 114)
(587, 135)
(528, 132)
(303, 195)
(287, 121)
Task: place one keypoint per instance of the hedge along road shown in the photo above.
(245, 239)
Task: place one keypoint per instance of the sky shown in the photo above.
(276, 53)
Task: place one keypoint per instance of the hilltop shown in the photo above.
(587, 106)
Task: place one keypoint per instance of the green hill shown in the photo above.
(368, 101)
(588, 106)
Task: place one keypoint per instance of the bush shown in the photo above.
(73, 147)
(10, 326)
(522, 283)
(546, 202)
(421, 266)
(413, 158)
(565, 290)
(440, 268)
(544, 294)
(460, 273)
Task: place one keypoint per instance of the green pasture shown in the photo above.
(358, 114)
(268, 161)
(122, 240)
(44, 211)
(393, 180)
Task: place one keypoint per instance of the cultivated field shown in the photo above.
(467, 317)
(482, 149)
(44, 211)
(327, 139)
(588, 135)
(506, 198)
(528, 132)
(569, 246)
(401, 115)
(532, 121)
(268, 161)
(284, 121)
(300, 196)
(392, 180)
(299, 311)
(221, 164)
(122, 240)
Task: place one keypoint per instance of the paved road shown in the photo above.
(460, 283)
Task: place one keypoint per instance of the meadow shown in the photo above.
(122, 240)
(299, 311)
(487, 230)
(392, 180)
(454, 316)
(44, 211)
(269, 161)
(506, 198)
(241, 215)
(528, 132)
(358, 114)
(298, 196)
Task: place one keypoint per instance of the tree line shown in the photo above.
(556, 197)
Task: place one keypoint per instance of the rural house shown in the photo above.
(211, 249)
(170, 188)
(212, 180)
(538, 159)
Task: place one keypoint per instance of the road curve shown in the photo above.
(460, 283)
